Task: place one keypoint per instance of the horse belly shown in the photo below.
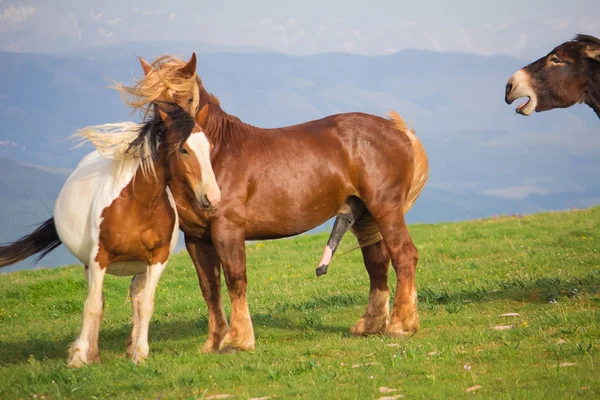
(126, 268)
(291, 207)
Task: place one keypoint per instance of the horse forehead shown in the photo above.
(198, 141)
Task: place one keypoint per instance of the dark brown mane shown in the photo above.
(586, 39)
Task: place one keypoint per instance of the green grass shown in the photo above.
(545, 267)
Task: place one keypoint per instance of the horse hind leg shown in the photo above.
(404, 318)
(135, 291)
(349, 214)
(85, 348)
(377, 261)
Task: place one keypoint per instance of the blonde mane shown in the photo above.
(115, 141)
(164, 82)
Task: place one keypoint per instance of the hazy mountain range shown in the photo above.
(484, 158)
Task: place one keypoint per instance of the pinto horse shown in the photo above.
(116, 214)
(285, 181)
(568, 75)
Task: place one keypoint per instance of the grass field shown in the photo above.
(545, 268)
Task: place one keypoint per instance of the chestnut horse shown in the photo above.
(116, 214)
(285, 181)
(568, 75)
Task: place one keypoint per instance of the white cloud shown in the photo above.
(348, 46)
(149, 12)
(106, 34)
(434, 42)
(114, 21)
(358, 34)
(96, 16)
(5, 143)
(468, 42)
(522, 42)
(17, 14)
(75, 25)
(517, 192)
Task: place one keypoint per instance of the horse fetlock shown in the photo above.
(78, 356)
(407, 326)
(140, 353)
(233, 342)
(370, 325)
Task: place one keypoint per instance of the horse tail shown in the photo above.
(43, 240)
(365, 228)
(421, 164)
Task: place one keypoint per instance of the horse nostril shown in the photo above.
(204, 202)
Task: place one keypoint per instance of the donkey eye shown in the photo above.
(184, 151)
(556, 60)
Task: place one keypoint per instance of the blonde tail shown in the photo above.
(421, 166)
(366, 229)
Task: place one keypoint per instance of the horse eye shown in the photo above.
(190, 101)
(184, 151)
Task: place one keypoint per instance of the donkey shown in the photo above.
(568, 75)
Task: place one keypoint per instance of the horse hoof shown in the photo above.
(76, 362)
(322, 270)
(209, 347)
(400, 331)
(229, 345)
(138, 357)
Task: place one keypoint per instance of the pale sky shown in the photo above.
(518, 28)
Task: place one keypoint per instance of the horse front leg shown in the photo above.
(140, 349)
(229, 243)
(85, 348)
(208, 269)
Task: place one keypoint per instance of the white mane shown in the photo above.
(113, 140)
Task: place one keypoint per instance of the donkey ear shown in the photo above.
(146, 66)
(189, 69)
(202, 116)
(593, 52)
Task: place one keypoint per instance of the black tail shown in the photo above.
(43, 240)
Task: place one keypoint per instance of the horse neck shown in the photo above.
(222, 127)
(149, 187)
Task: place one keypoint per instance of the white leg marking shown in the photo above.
(92, 312)
(327, 254)
(135, 291)
(146, 308)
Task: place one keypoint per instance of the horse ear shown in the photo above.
(593, 53)
(164, 116)
(146, 66)
(189, 69)
(202, 116)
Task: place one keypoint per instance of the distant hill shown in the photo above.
(484, 158)
(27, 196)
